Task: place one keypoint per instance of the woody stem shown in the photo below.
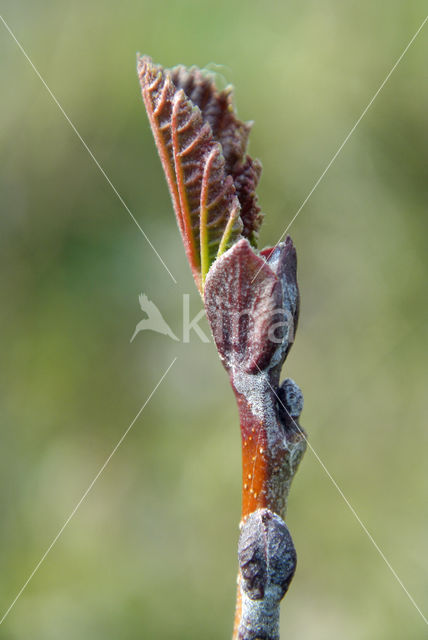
(270, 457)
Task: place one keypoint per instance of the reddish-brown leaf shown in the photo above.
(203, 195)
(217, 109)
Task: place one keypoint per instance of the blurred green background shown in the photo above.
(151, 553)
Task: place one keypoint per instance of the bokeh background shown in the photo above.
(151, 553)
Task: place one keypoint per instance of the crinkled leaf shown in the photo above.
(244, 312)
(203, 195)
(246, 178)
(217, 109)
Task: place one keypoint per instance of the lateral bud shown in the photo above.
(267, 562)
(290, 403)
(267, 557)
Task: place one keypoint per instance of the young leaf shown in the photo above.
(202, 146)
(217, 109)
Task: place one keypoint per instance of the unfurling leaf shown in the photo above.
(217, 109)
(202, 147)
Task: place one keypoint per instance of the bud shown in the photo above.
(267, 558)
(252, 304)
